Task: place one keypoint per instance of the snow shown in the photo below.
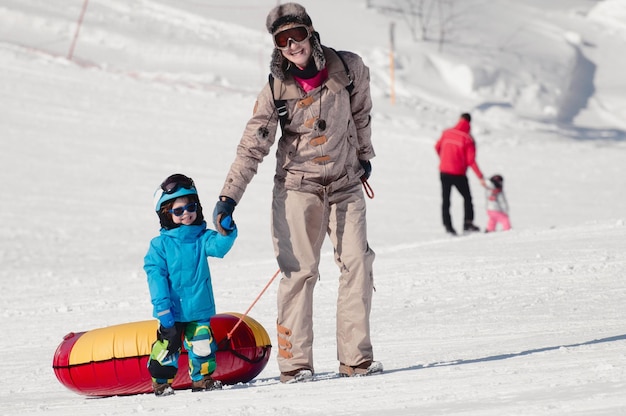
(526, 322)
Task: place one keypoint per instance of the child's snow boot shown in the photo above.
(206, 384)
(162, 389)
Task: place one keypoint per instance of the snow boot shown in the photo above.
(300, 375)
(366, 368)
(206, 384)
(162, 389)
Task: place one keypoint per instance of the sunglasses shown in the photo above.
(296, 34)
(175, 182)
(179, 211)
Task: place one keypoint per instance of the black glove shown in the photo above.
(223, 215)
(367, 166)
(171, 338)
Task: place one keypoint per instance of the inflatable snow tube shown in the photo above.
(113, 361)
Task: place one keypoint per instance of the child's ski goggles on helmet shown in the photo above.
(296, 34)
(173, 187)
(175, 182)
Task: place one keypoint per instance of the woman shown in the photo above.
(322, 99)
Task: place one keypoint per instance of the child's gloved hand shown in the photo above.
(228, 224)
(168, 342)
(166, 319)
(223, 215)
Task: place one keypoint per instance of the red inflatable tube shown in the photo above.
(113, 361)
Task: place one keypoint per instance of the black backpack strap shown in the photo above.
(350, 86)
(281, 105)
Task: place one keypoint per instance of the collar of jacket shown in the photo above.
(337, 79)
(185, 233)
(463, 125)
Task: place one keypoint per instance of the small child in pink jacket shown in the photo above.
(497, 205)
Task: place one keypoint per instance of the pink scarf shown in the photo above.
(312, 83)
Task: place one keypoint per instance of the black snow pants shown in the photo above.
(461, 183)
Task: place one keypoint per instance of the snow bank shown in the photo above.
(459, 76)
(610, 14)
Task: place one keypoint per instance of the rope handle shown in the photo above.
(368, 189)
(230, 334)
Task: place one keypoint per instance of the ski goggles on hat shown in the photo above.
(297, 34)
(175, 182)
(179, 211)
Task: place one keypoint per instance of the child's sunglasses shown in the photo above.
(175, 182)
(179, 211)
(296, 34)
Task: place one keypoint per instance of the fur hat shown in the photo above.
(287, 13)
(290, 13)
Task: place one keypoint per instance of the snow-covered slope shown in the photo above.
(529, 322)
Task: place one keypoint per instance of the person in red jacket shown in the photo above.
(457, 152)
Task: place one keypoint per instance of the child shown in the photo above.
(180, 285)
(497, 206)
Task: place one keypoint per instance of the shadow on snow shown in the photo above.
(332, 375)
(511, 355)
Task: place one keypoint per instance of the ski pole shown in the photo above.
(230, 334)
